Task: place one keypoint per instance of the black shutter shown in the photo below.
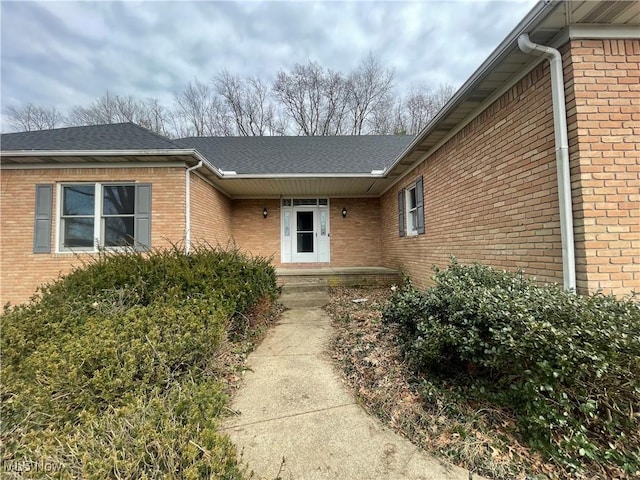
(401, 224)
(42, 222)
(420, 205)
(142, 226)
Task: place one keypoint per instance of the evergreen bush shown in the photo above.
(112, 371)
(566, 364)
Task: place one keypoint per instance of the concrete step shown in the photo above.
(305, 287)
(312, 299)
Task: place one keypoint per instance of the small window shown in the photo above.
(411, 209)
(96, 215)
(118, 209)
(298, 202)
(78, 215)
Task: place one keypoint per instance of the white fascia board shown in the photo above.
(109, 153)
(258, 176)
(468, 119)
(595, 32)
(58, 166)
(94, 153)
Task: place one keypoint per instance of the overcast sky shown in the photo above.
(69, 53)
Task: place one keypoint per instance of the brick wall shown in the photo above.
(355, 240)
(490, 192)
(210, 214)
(22, 271)
(254, 234)
(603, 97)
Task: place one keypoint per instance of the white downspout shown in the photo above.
(187, 205)
(562, 155)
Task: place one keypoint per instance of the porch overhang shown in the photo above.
(240, 186)
(299, 186)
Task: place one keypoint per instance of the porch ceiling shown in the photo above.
(302, 186)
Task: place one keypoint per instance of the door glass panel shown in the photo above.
(305, 242)
(323, 222)
(287, 222)
(304, 201)
(304, 223)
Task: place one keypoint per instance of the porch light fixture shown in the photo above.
(265, 212)
(344, 212)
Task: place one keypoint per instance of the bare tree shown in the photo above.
(198, 112)
(107, 109)
(422, 104)
(383, 119)
(155, 117)
(248, 102)
(369, 86)
(32, 117)
(313, 98)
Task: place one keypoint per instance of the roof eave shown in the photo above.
(186, 152)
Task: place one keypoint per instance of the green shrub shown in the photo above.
(115, 365)
(566, 364)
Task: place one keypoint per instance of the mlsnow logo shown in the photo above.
(23, 466)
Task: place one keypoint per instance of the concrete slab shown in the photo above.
(303, 388)
(315, 299)
(293, 406)
(290, 339)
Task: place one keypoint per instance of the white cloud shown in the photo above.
(68, 53)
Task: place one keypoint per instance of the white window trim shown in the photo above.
(411, 228)
(98, 230)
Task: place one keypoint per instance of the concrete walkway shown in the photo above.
(293, 406)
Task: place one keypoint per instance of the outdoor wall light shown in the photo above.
(265, 212)
(344, 212)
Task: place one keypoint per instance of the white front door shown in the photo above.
(305, 230)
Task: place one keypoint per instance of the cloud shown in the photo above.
(69, 53)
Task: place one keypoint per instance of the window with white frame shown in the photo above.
(411, 209)
(94, 215)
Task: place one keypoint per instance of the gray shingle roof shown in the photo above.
(245, 155)
(299, 155)
(117, 136)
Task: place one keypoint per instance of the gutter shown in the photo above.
(562, 155)
(117, 153)
(187, 206)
